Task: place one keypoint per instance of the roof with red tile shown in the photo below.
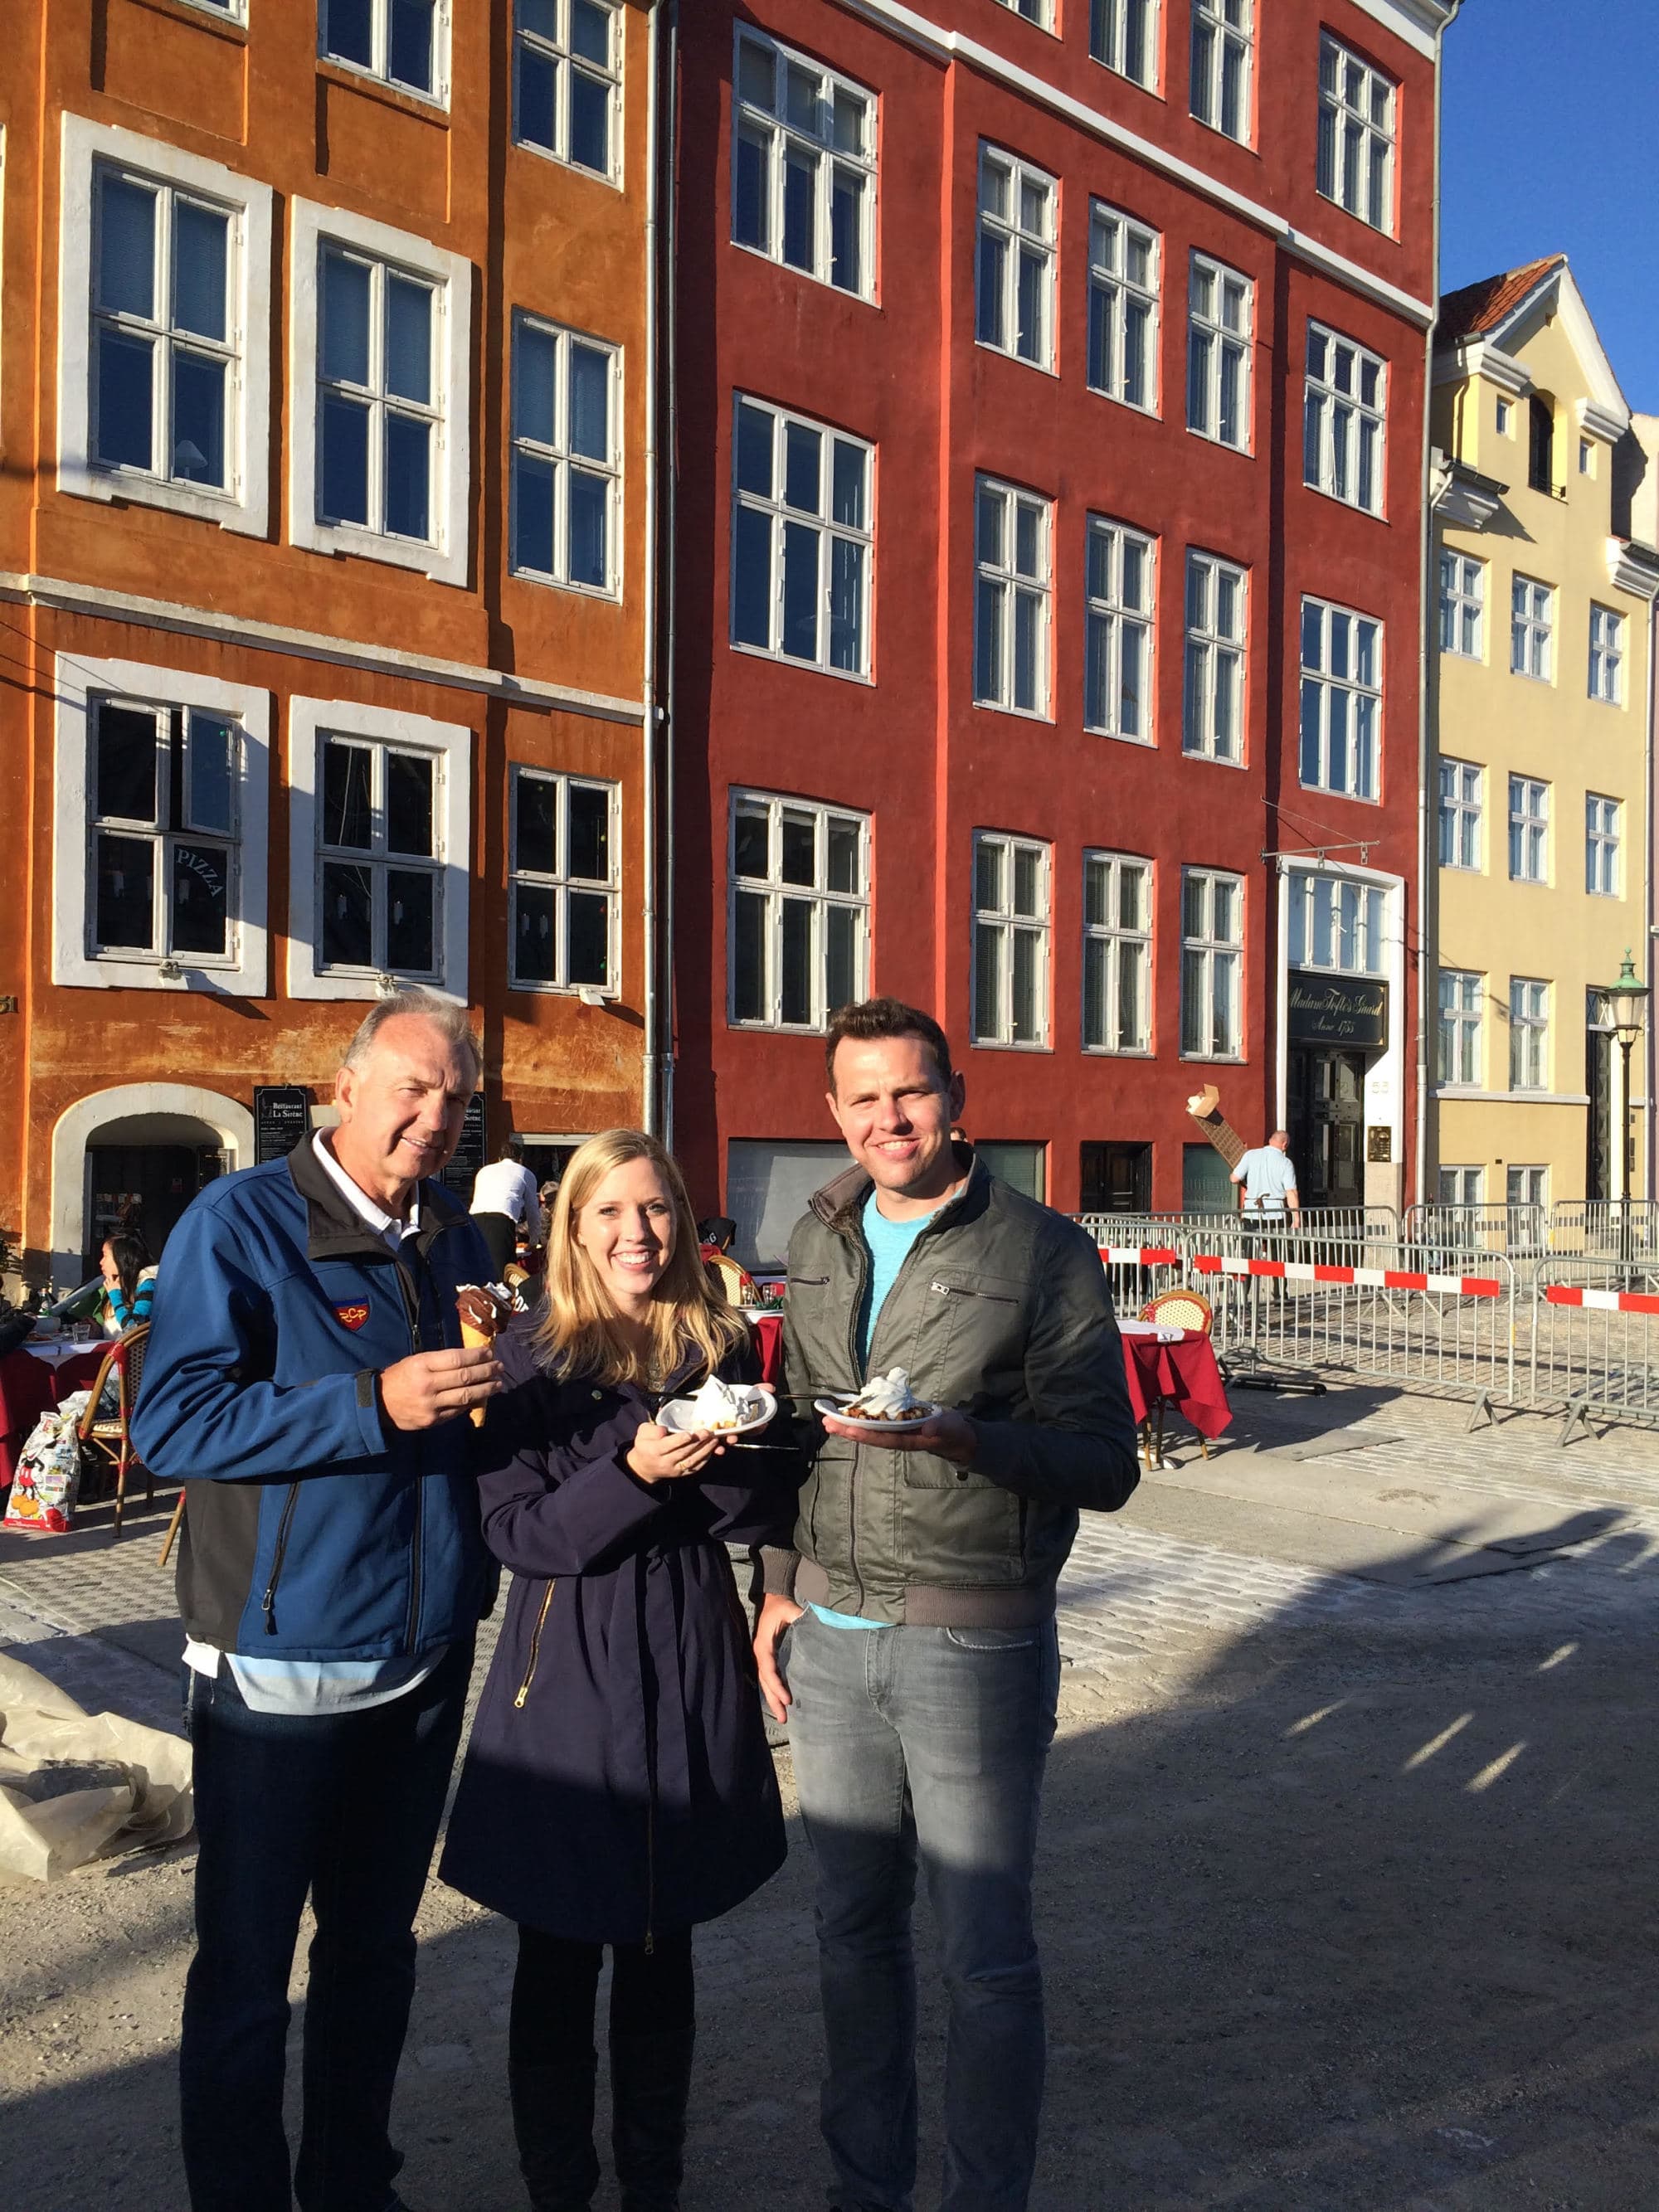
(1473, 309)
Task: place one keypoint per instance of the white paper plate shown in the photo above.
(838, 1406)
(678, 1417)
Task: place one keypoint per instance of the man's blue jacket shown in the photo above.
(314, 1529)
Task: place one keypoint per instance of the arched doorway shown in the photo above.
(138, 1153)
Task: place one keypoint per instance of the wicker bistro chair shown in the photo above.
(1177, 1309)
(111, 1436)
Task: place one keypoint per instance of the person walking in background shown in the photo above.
(304, 1381)
(505, 1202)
(129, 1277)
(908, 1632)
(617, 1786)
(1271, 1199)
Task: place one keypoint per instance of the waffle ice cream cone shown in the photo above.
(483, 1310)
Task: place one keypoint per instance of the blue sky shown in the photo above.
(1549, 109)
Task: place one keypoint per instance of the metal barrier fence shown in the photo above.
(1520, 1232)
(1592, 1349)
(1622, 1229)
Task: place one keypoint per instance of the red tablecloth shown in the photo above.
(1183, 1374)
(768, 1336)
(29, 1386)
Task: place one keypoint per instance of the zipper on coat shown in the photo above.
(411, 1297)
(535, 1646)
(862, 1259)
(965, 1291)
(268, 1603)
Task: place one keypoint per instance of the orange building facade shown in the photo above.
(326, 526)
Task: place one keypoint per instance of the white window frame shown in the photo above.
(1008, 926)
(450, 743)
(1468, 1182)
(1344, 435)
(244, 504)
(1348, 913)
(1228, 26)
(1604, 822)
(1206, 948)
(1459, 1032)
(1529, 830)
(1017, 242)
(77, 685)
(1039, 13)
(558, 51)
(1463, 605)
(780, 135)
(1114, 291)
(828, 531)
(1215, 663)
(1350, 130)
(1529, 1033)
(446, 558)
(1012, 586)
(1214, 341)
(1358, 693)
(774, 890)
(561, 460)
(378, 71)
(1461, 805)
(1109, 42)
(1528, 1187)
(1532, 629)
(560, 882)
(222, 11)
(1109, 618)
(1606, 655)
(1118, 942)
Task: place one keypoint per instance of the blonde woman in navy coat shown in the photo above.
(617, 1788)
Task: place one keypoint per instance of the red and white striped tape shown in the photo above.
(1292, 1271)
(1563, 1294)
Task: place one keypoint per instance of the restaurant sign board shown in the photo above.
(281, 1116)
(1339, 1010)
(469, 1154)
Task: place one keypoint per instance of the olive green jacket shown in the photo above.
(1001, 1310)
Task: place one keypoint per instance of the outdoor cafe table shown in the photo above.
(33, 1379)
(1177, 1368)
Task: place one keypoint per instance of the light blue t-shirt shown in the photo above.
(1268, 1179)
(888, 1243)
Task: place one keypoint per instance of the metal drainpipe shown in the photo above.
(671, 534)
(651, 1083)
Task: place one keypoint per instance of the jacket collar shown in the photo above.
(840, 1203)
(334, 1231)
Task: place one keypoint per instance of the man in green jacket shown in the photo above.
(910, 1634)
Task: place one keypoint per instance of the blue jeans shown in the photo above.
(345, 1806)
(929, 1743)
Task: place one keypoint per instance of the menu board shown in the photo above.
(282, 1116)
(469, 1153)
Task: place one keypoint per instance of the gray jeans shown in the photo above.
(929, 1743)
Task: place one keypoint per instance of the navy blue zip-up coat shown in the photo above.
(617, 1783)
(314, 1529)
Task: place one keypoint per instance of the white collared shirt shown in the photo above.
(387, 1226)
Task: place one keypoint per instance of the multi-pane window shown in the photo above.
(163, 823)
(1532, 608)
(1600, 845)
(1212, 964)
(1606, 655)
(1011, 588)
(1117, 643)
(1529, 1034)
(1122, 307)
(1212, 718)
(801, 541)
(1034, 11)
(1341, 699)
(380, 857)
(1343, 414)
(379, 396)
(1355, 135)
(397, 40)
(1530, 830)
(1016, 267)
(567, 463)
(166, 343)
(1219, 306)
(564, 883)
(1527, 1187)
(1460, 814)
(1338, 924)
(1462, 1186)
(804, 166)
(1010, 940)
(1117, 953)
(1462, 998)
(567, 89)
(1462, 600)
(1123, 34)
(800, 911)
(1221, 36)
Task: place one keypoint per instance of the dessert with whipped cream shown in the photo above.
(718, 1405)
(887, 1398)
(483, 1311)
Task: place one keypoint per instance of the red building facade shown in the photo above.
(1048, 577)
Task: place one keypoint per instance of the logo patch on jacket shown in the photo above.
(352, 1317)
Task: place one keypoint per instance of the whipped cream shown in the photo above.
(886, 1398)
(718, 1405)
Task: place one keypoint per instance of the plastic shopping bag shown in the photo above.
(47, 1484)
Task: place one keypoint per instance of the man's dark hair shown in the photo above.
(871, 1020)
(513, 1148)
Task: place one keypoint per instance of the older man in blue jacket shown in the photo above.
(306, 1380)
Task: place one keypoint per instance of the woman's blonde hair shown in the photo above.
(580, 1332)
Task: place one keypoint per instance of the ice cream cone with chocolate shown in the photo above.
(483, 1311)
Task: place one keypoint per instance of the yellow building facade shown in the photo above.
(1539, 752)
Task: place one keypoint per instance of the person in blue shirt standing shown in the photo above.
(1269, 1182)
(306, 1380)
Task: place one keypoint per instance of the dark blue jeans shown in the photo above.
(344, 1806)
(929, 1743)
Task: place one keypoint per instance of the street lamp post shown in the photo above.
(1627, 1001)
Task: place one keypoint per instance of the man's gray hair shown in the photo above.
(450, 1021)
